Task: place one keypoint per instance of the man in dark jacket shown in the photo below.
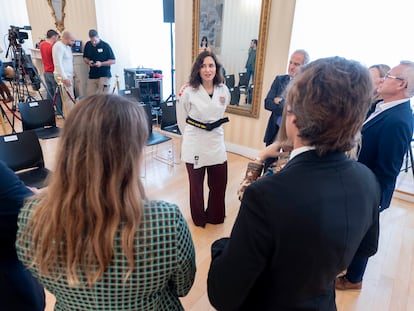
(386, 137)
(275, 99)
(297, 229)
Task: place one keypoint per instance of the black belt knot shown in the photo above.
(206, 126)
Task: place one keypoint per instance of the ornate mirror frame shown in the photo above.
(60, 25)
(260, 56)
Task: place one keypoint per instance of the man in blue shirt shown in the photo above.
(98, 55)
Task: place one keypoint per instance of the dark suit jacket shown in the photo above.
(296, 230)
(276, 90)
(385, 140)
(18, 289)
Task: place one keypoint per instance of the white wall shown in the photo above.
(369, 31)
(240, 25)
(13, 13)
(136, 31)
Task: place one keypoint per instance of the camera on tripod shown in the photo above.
(16, 36)
(21, 62)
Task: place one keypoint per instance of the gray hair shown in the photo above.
(305, 54)
(408, 75)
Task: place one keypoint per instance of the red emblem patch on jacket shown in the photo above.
(180, 93)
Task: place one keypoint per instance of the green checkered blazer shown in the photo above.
(165, 267)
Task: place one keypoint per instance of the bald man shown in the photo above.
(63, 61)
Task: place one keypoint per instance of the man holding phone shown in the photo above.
(98, 55)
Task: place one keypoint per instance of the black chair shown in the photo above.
(235, 96)
(229, 80)
(39, 116)
(133, 94)
(250, 93)
(244, 85)
(243, 79)
(169, 118)
(409, 157)
(155, 139)
(23, 154)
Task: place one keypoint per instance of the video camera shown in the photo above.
(16, 36)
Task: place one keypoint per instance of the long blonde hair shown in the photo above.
(94, 191)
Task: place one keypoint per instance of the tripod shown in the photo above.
(23, 68)
(3, 116)
(172, 95)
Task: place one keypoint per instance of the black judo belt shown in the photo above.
(206, 126)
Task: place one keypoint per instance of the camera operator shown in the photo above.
(4, 90)
(63, 62)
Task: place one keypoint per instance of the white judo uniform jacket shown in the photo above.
(201, 147)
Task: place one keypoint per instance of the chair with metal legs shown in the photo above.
(23, 154)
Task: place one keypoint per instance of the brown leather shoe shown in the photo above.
(342, 283)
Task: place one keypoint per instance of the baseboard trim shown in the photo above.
(242, 150)
(406, 196)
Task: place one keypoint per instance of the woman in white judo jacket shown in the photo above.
(200, 108)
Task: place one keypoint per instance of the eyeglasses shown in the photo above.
(387, 75)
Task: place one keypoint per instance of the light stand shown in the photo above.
(172, 95)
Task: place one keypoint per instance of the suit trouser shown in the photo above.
(217, 182)
(356, 269)
(98, 86)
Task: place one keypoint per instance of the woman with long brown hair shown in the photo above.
(93, 239)
(201, 105)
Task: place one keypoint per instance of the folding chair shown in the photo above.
(39, 116)
(250, 94)
(169, 118)
(229, 80)
(133, 94)
(155, 139)
(234, 96)
(243, 79)
(23, 154)
(243, 83)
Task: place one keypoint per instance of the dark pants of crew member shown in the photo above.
(217, 182)
(51, 86)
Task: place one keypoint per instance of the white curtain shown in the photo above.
(369, 31)
(136, 31)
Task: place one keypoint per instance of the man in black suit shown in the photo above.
(275, 100)
(298, 229)
(386, 137)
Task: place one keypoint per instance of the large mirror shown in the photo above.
(231, 28)
(58, 13)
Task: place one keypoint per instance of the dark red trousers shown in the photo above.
(217, 182)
